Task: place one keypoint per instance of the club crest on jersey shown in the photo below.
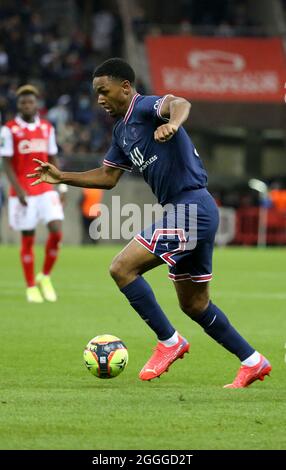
(45, 130)
(133, 132)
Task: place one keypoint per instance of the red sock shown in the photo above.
(27, 259)
(52, 249)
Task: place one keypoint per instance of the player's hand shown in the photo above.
(21, 195)
(46, 173)
(165, 132)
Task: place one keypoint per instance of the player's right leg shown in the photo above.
(127, 269)
(24, 219)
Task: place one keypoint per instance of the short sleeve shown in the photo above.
(52, 144)
(6, 142)
(152, 105)
(116, 158)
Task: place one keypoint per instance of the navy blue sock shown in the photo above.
(217, 326)
(142, 299)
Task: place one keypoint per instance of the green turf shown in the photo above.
(50, 401)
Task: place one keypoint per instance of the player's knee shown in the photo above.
(56, 236)
(55, 226)
(117, 270)
(27, 242)
(195, 306)
(113, 270)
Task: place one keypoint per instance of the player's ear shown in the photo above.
(126, 87)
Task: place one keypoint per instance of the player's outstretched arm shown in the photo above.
(101, 178)
(177, 111)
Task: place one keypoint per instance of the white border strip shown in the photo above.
(115, 165)
(160, 107)
(130, 109)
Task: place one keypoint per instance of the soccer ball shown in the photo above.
(105, 356)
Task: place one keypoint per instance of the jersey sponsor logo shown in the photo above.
(33, 146)
(148, 162)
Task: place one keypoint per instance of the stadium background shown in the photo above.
(56, 45)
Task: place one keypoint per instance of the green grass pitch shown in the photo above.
(50, 401)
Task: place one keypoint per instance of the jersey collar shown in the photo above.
(28, 125)
(130, 109)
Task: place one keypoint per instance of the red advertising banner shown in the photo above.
(218, 69)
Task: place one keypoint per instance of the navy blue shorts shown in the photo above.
(184, 237)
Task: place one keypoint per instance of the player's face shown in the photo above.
(28, 106)
(113, 95)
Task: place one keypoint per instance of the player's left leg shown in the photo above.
(51, 255)
(51, 210)
(194, 301)
(127, 269)
(24, 219)
(52, 246)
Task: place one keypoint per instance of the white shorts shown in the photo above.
(42, 208)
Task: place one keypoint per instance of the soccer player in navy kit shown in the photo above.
(149, 135)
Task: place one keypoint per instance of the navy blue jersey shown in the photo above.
(170, 168)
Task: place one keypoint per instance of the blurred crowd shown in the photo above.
(61, 65)
(242, 196)
(224, 18)
(59, 57)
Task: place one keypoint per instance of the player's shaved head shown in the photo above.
(115, 68)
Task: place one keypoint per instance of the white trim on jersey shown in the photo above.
(160, 107)
(117, 165)
(130, 108)
(29, 125)
(6, 142)
(52, 144)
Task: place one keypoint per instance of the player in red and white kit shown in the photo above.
(22, 139)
